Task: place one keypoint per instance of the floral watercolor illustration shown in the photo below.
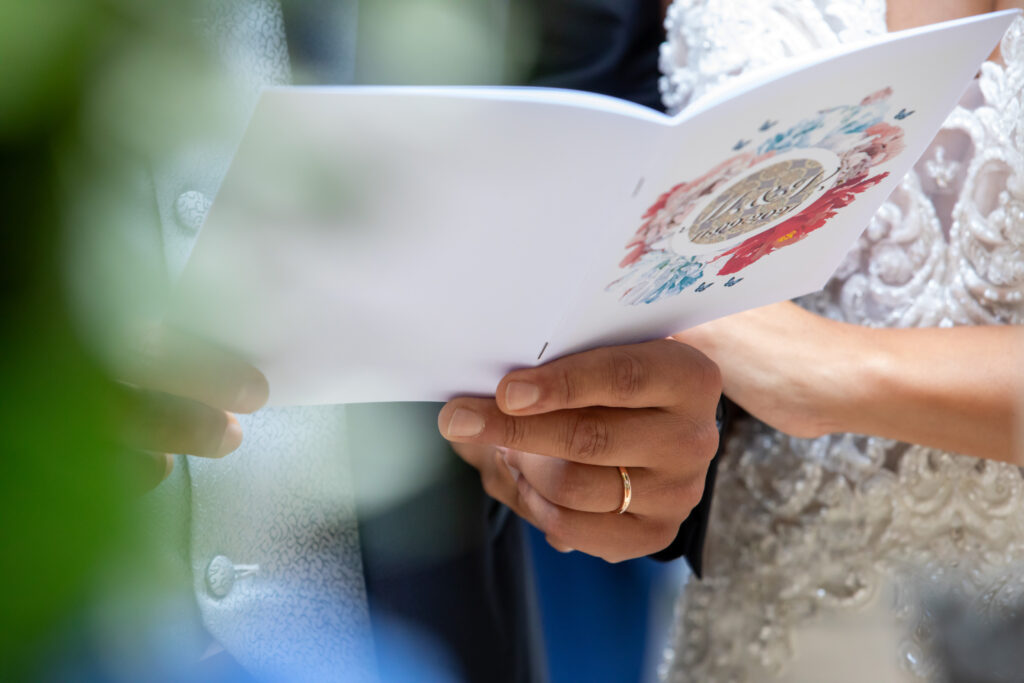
(858, 135)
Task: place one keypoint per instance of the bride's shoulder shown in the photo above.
(708, 42)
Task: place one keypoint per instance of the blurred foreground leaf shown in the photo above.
(66, 494)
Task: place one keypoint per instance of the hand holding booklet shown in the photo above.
(406, 244)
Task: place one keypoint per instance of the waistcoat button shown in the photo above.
(220, 576)
(190, 210)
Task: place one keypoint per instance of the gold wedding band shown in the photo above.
(627, 491)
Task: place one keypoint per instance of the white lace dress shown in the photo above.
(860, 558)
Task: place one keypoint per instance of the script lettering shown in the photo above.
(761, 197)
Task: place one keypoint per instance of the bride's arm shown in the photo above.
(901, 14)
(959, 389)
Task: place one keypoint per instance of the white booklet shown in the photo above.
(413, 244)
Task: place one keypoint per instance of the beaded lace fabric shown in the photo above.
(807, 532)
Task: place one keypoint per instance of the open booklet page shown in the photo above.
(760, 195)
(408, 244)
(402, 244)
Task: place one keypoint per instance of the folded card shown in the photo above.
(406, 244)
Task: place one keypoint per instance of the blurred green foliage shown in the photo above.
(66, 493)
(44, 52)
(91, 91)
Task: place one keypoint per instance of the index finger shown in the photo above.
(661, 373)
(165, 360)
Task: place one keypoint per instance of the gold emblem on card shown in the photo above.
(761, 198)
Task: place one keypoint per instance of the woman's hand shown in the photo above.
(176, 394)
(551, 443)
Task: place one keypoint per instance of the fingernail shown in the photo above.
(232, 438)
(465, 423)
(514, 472)
(253, 395)
(519, 395)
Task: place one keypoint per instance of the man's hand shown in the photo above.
(176, 395)
(550, 444)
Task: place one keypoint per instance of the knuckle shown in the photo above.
(662, 536)
(556, 543)
(614, 557)
(687, 439)
(586, 437)
(709, 374)
(695, 439)
(690, 493)
(628, 374)
(514, 432)
(568, 386)
(704, 440)
(678, 496)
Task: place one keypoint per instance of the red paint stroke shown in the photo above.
(683, 197)
(876, 96)
(798, 227)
